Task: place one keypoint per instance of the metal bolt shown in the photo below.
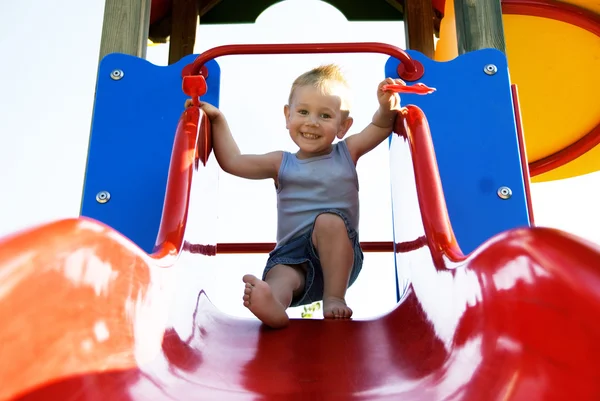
(102, 197)
(504, 193)
(490, 69)
(117, 74)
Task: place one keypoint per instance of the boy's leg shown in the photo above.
(269, 299)
(336, 253)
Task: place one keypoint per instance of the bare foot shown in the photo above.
(336, 308)
(260, 300)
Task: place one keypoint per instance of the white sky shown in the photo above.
(47, 81)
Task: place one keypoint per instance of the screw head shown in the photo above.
(504, 193)
(490, 69)
(117, 75)
(102, 197)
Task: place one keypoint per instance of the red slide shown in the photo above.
(85, 315)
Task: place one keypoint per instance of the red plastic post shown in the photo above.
(194, 86)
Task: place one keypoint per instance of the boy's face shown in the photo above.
(315, 118)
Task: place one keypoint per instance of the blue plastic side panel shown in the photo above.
(134, 124)
(475, 137)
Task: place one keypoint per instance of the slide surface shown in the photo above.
(87, 315)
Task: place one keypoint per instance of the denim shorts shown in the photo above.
(301, 250)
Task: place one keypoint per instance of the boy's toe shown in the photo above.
(250, 280)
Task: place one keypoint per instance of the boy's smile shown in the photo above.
(308, 135)
(315, 118)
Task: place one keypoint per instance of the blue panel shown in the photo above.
(134, 124)
(475, 137)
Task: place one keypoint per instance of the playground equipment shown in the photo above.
(544, 40)
(495, 308)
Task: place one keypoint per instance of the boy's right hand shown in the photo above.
(211, 111)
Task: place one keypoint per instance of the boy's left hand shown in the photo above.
(389, 100)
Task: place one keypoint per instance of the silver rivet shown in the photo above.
(504, 193)
(102, 196)
(490, 69)
(117, 74)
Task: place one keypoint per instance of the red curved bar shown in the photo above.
(409, 69)
(556, 10)
(412, 124)
(584, 19)
(568, 154)
(191, 143)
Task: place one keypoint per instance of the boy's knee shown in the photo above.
(328, 222)
(287, 271)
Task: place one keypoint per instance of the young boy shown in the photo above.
(318, 254)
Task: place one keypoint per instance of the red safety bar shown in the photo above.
(439, 236)
(266, 247)
(409, 69)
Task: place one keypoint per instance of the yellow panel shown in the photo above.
(556, 68)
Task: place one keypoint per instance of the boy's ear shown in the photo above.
(344, 127)
(286, 113)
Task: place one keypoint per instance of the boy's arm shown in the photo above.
(230, 158)
(382, 124)
(373, 134)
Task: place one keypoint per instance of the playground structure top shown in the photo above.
(463, 27)
(176, 21)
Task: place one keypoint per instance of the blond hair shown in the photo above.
(325, 77)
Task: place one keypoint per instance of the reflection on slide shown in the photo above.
(86, 315)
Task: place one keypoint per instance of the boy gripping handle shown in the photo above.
(318, 254)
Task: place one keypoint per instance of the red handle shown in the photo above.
(409, 69)
(418, 88)
(194, 86)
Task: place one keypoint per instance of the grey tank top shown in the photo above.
(307, 187)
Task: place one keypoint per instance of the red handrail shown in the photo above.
(190, 145)
(412, 124)
(408, 69)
